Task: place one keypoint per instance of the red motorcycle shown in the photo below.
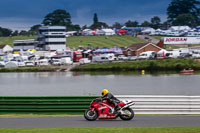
(101, 109)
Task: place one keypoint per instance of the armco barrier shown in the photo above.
(144, 104)
(158, 104)
(68, 104)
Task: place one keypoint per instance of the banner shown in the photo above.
(181, 40)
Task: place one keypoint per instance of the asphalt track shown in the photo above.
(80, 122)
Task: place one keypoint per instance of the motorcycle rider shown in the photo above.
(106, 95)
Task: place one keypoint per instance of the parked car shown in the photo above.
(56, 62)
(29, 63)
(184, 55)
(122, 57)
(132, 58)
(196, 55)
(2, 64)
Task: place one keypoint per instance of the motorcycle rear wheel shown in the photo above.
(129, 114)
(90, 115)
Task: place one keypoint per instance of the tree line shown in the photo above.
(180, 12)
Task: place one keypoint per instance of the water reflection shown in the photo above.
(126, 83)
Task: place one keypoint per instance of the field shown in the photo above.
(101, 41)
(104, 130)
(84, 41)
(9, 40)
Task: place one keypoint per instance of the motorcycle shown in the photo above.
(101, 109)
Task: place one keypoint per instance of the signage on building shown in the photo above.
(181, 40)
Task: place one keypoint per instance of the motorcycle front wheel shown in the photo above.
(128, 114)
(90, 115)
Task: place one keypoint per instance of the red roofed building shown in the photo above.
(136, 49)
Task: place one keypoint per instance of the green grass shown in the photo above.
(84, 41)
(101, 41)
(158, 37)
(32, 69)
(106, 130)
(149, 65)
(9, 40)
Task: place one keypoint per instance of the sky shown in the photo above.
(22, 14)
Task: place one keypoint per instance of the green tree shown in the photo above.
(58, 17)
(34, 29)
(15, 33)
(185, 19)
(5, 32)
(155, 22)
(117, 25)
(146, 24)
(24, 33)
(178, 7)
(96, 24)
(75, 27)
(130, 23)
(165, 25)
(84, 27)
(95, 19)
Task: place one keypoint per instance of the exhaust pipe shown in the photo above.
(130, 104)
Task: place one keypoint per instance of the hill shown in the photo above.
(101, 41)
(9, 40)
(85, 41)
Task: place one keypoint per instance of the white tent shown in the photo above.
(148, 30)
(180, 28)
(11, 65)
(5, 49)
(106, 32)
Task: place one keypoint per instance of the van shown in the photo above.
(104, 58)
(43, 62)
(84, 61)
(173, 54)
(66, 60)
(147, 55)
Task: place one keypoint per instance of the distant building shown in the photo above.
(49, 38)
(25, 44)
(52, 37)
(136, 49)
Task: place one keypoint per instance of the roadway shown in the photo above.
(80, 122)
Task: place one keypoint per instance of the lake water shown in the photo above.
(76, 84)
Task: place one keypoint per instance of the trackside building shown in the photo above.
(52, 37)
(49, 38)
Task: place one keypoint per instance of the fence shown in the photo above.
(144, 104)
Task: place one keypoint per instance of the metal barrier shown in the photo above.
(158, 104)
(69, 104)
(144, 104)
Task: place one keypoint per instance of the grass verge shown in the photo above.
(108, 130)
(32, 69)
(149, 65)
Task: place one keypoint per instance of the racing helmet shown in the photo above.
(104, 92)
